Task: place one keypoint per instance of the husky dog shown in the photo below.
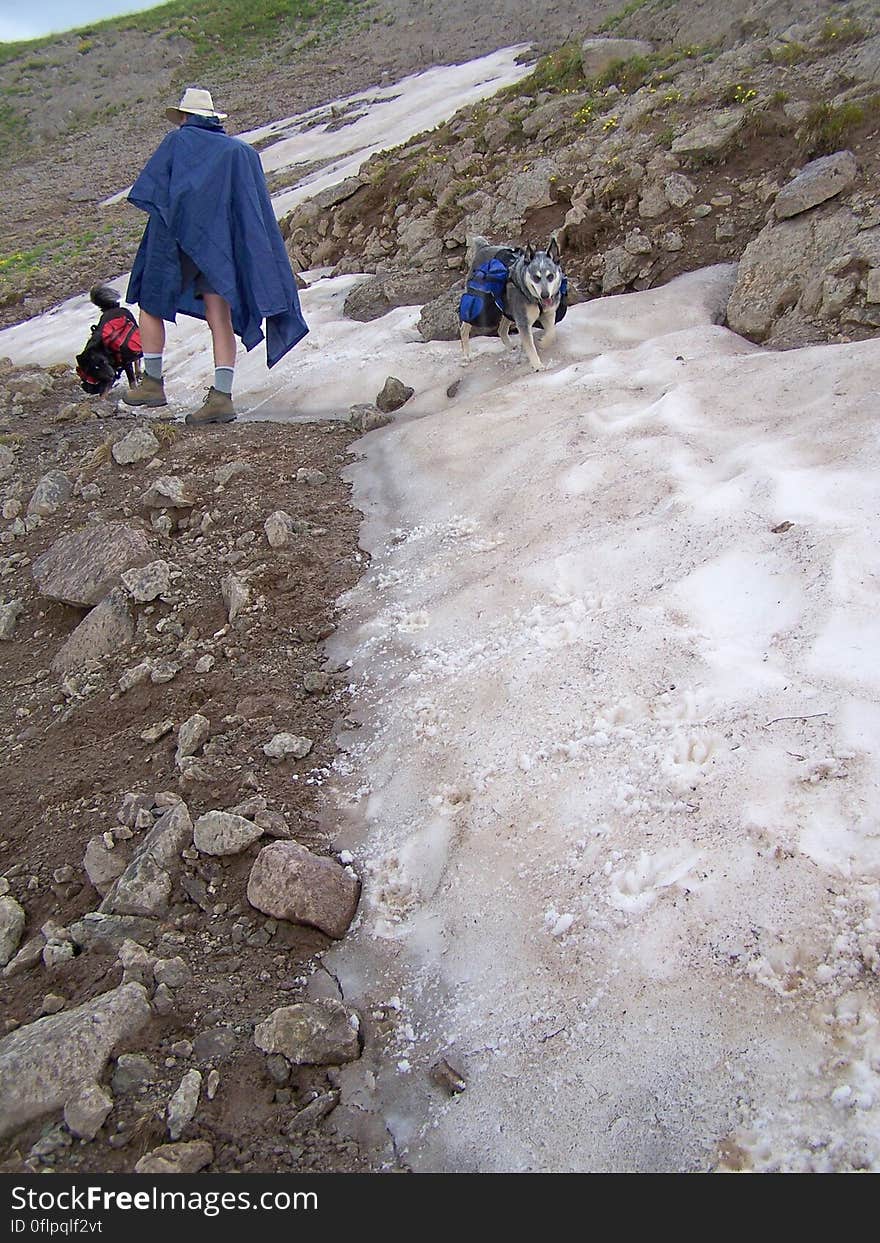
(532, 294)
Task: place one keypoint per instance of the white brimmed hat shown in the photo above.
(195, 102)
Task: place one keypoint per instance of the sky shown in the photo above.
(19, 21)
(614, 784)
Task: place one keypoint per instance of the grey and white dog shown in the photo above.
(531, 296)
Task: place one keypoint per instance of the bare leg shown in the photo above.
(219, 317)
(152, 333)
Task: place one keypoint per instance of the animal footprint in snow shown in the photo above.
(687, 759)
(636, 888)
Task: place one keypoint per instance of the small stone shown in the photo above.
(366, 417)
(184, 1103)
(278, 1068)
(176, 1158)
(9, 615)
(102, 866)
(307, 1118)
(204, 664)
(312, 477)
(52, 491)
(283, 745)
(170, 492)
(55, 953)
(287, 881)
(163, 1000)
(192, 736)
(87, 1112)
(164, 671)
(315, 682)
(448, 1078)
(212, 1083)
(236, 596)
(393, 395)
(215, 1045)
(52, 1003)
(321, 1033)
(147, 582)
(153, 733)
(279, 529)
(132, 1072)
(138, 446)
(137, 963)
(182, 1048)
(229, 470)
(12, 921)
(221, 833)
(135, 675)
(174, 972)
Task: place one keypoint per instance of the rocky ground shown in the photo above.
(647, 159)
(193, 686)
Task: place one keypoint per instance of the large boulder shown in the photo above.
(221, 833)
(47, 1063)
(12, 921)
(288, 882)
(782, 264)
(107, 628)
(439, 318)
(82, 567)
(373, 298)
(819, 181)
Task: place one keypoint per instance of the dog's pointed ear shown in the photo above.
(553, 249)
(529, 252)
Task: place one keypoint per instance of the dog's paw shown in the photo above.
(539, 366)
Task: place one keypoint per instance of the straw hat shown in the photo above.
(195, 102)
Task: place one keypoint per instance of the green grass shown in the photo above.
(827, 128)
(22, 261)
(617, 19)
(214, 28)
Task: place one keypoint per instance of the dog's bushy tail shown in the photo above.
(104, 297)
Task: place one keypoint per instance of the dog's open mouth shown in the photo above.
(546, 303)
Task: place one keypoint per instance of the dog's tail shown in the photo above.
(104, 297)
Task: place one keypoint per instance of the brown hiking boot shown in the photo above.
(218, 408)
(147, 392)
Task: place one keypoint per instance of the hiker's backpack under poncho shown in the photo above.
(115, 342)
(482, 303)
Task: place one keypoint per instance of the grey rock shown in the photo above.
(653, 202)
(43, 1065)
(781, 262)
(56, 953)
(86, 1112)
(712, 135)
(138, 446)
(174, 972)
(82, 567)
(342, 191)
(108, 627)
(145, 886)
(12, 921)
(600, 54)
(192, 736)
(439, 318)
(147, 582)
(9, 615)
(186, 1158)
(307, 1118)
(375, 297)
(319, 1033)
(133, 804)
(236, 595)
(51, 492)
(278, 1068)
(215, 1045)
(170, 492)
(28, 956)
(135, 675)
(221, 833)
(310, 476)
(132, 1072)
(820, 180)
(678, 189)
(137, 963)
(393, 395)
(183, 1104)
(365, 417)
(223, 474)
(287, 881)
(104, 934)
(279, 529)
(283, 745)
(163, 1000)
(316, 682)
(103, 866)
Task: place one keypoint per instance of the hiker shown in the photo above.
(212, 248)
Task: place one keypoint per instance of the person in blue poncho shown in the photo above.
(212, 248)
